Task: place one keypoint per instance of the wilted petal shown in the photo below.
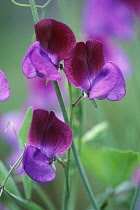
(95, 57)
(56, 38)
(40, 63)
(49, 133)
(4, 87)
(76, 67)
(36, 165)
(105, 81)
(119, 90)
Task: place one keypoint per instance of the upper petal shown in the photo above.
(95, 57)
(36, 165)
(4, 87)
(49, 133)
(37, 62)
(76, 67)
(109, 78)
(56, 38)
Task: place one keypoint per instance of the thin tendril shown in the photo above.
(28, 5)
(8, 174)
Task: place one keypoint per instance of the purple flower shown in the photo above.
(4, 87)
(55, 42)
(85, 69)
(109, 17)
(42, 95)
(48, 137)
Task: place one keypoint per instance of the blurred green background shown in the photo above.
(16, 34)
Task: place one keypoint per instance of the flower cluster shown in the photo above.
(85, 68)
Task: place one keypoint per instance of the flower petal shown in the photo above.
(49, 133)
(56, 38)
(76, 67)
(37, 62)
(36, 165)
(119, 90)
(108, 17)
(28, 68)
(109, 78)
(4, 87)
(95, 57)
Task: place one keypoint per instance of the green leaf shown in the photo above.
(23, 132)
(94, 132)
(28, 186)
(110, 166)
(26, 204)
(10, 184)
(23, 135)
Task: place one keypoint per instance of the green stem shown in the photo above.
(43, 197)
(7, 176)
(78, 161)
(34, 11)
(135, 198)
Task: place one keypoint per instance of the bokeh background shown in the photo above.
(123, 118)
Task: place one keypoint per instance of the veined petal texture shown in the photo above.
(4, 87)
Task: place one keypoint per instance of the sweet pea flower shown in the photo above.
(109, 17)
(48, 137)
(4, 87)
(86, 69)
(55, 41)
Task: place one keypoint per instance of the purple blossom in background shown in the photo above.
(55, 42)
(86, 69)
(110, 17)
(48, 137)
(42, 95)
(115, 53)
(4, 87)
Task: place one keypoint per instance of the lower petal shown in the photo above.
(109, 80)
(36, 165)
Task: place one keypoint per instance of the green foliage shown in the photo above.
(27, 204)
(110, 166)
(10, 184)
(23, 132)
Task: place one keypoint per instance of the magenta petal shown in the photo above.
(76, 67)
(4, 87)
(36, 165)
(119, 90)
(55, 37)
(49, 133)
(105, 81)
(95, 57)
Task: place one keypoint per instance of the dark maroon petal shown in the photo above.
(105, 81)
(38, 63)
(119, 90)
(4, 87)
(28, 68)
(36, 165)
(95, 57)
(55, 37)
(76, 67)
(49, 133)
